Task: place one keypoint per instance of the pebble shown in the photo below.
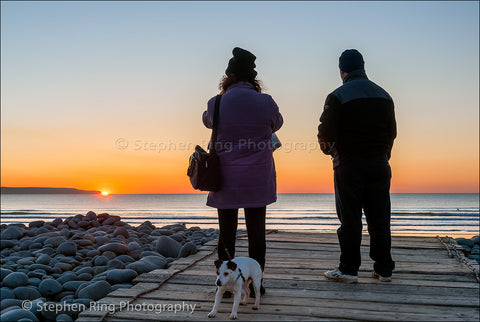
(17, 315)
(26, 293)
(12, 232)
(49, 287)
(167, 246)
(118, 276)
(67, 249)
(15, 279)
(95, 291)
(117, 248)
(188, 249)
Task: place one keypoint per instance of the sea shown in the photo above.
(412, 214)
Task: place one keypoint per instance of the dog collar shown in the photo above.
(240, 275)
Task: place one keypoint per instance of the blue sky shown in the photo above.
(95, 71)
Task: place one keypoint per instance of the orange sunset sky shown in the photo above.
(109, 96)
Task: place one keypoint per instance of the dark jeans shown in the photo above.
(255, 222)
(364, 184)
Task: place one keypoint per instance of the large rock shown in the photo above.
(18, 315)
(67, 249)
(118, 276)
(26, 293)
(167, 246)
(188, 249)
(15, 279)
(36, 224)
(6, 293)
(12, 232)
(117, 248)
(55, 241)
(49, 287)
(95, 291)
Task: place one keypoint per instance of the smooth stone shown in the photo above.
(9, 303)
(121, 231)
(26, 261)
(158, 261)
(17, 315)
(82, 270)
(95, 291)
(91, 215)
(34, 281)
(72, 224)
(35, 246)
(476, 240)
(84, 277)
(12, 232)
(161, 232)
(119, 276)
(177, 237)
(108, 221)
(175, 227)
(84, 223)
(6, 293)
(66, 277)
(36, 224)
(50, 287)
(15, 279)
(4, 272)
(93, 253)
(101, 240)
(117, 248)
(142, 266)
(26, 293)
(64, 266)
(6, 243)
(26, 244)
(125, 258)
(57, 221)
(167, 246)
(100, 260)
(188, 249)
(133, 246)
(83, 242)
(63, 318)
(38, 273)
(67, 249)
(46, 268)
(55, 241)
(43, 259)
(465, 241)
(115, 263)
(72, 285)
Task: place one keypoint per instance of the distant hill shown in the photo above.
(41, 190)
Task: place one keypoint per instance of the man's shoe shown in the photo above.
(381, 278)
(337, 276)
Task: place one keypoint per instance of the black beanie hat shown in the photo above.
(351, 60)
(242, 64)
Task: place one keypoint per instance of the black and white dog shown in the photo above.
(235, 276)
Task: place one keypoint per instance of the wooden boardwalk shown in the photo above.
(427, 285)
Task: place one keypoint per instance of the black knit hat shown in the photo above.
(242, 64)
(351, 60)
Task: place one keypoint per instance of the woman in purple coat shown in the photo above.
(247, 120)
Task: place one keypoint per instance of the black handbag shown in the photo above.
(203, 167)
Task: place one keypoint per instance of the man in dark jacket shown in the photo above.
(357, 128)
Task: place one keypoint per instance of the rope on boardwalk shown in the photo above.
(136, 297)
(453, 251)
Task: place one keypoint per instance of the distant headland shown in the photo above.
(43, 190)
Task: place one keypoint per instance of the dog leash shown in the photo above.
(230, 259)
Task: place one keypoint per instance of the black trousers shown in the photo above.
(255, 222)
(364, 184)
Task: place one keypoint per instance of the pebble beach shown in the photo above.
(82, 258)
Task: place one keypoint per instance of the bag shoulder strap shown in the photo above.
(216, 112)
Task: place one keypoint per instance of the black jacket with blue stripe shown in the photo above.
(358, 121)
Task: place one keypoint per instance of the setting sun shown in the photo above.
(105, 193)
